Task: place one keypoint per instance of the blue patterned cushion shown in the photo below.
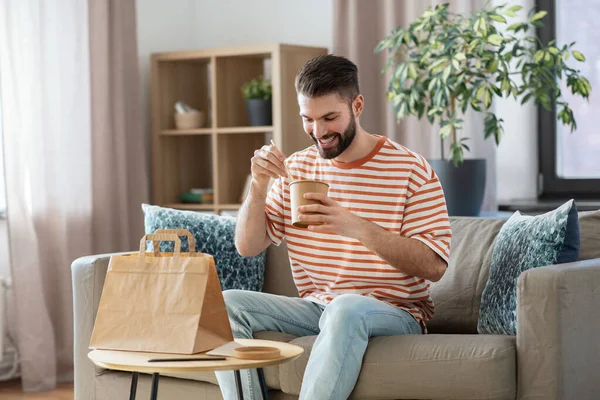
(525, 242)
(213, 235)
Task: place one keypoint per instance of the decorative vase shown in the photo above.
(463, 186)
(259, 112)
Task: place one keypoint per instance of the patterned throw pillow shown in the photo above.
(213, 235)
(525, 242)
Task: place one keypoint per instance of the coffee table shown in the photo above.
(137, 362)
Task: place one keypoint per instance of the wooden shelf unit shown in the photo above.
(218, 154)
(181, 132)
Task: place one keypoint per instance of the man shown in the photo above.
(366, 270)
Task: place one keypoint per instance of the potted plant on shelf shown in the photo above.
(444, 64)
(257, 93)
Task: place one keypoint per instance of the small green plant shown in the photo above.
(444, 64)
(257, 88)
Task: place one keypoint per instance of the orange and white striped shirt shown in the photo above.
(392, 187)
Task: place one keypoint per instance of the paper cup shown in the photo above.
(297, 190)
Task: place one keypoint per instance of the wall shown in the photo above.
(517, 155)
(195, 24)
(192, 24)
(4, 257)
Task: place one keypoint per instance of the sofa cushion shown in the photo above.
(523, 243)
(457, 295)
(425, 367)
(213, 235)
(589, 230)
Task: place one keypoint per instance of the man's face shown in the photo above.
(329, 121)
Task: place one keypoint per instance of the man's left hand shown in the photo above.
(335, 218)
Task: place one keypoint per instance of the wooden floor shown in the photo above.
(12, 391)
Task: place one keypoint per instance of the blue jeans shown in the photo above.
(343, 328)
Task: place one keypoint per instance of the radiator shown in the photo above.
(9, 357)
(3, 317)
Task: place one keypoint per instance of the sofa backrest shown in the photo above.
(278, 273)
(457, 295)
(589, 228)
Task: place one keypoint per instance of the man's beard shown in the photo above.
(343, 141)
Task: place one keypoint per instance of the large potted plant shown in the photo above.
(257, 93)
(444, 64)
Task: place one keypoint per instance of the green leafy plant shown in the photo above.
(257, 88)
(444, 64)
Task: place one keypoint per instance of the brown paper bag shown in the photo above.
(162, 302)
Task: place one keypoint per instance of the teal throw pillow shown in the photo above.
(213, 235)
(525, 242)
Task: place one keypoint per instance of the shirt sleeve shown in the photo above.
(425, 215)
(275, 212)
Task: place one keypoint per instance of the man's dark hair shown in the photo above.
(328, 74)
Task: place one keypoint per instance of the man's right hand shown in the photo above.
(267, 163)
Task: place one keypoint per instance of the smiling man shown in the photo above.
(364, 272)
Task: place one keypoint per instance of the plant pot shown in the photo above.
(463, 186)
(259, 112)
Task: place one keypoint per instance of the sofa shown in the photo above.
(555, 354)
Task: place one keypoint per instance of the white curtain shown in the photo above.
(66, 120)
(44, 74)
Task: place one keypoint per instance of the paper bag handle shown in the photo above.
(158, 237)
(178, 232)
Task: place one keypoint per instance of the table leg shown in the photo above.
(154, 392)
(238, 384)
(263, 384)
(133, 389)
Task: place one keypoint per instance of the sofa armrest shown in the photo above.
(558, 332)
(88, 274)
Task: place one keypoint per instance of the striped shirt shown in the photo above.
(392, 187)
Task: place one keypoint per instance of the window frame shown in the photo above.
(551, 185)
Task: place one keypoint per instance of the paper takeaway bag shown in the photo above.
(162, 302)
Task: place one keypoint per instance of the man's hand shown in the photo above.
(267, 163)
(335, 218)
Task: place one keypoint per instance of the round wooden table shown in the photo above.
(137, 362)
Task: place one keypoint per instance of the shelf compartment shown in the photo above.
(185, 132)
(186, 164)
(187, 81)
(244, 129)
(233, 164)
(231, 73)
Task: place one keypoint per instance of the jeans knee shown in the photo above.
(343, 313)
(234, 300)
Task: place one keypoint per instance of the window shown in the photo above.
(570, 162)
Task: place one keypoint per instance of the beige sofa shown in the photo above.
(555, 355)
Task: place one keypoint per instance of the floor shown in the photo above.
(12, 391)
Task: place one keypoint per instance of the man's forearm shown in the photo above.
(410, 256)
(251, 229)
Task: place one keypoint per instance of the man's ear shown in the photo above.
(357, 105)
